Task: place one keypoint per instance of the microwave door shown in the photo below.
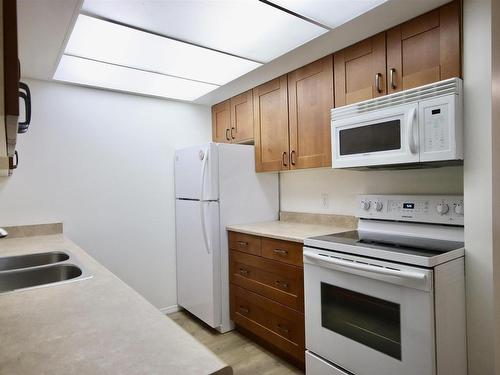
(381, 137)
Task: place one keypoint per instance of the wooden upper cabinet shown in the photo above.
(242, 118)
(221, 122)
(360, 71)
(310, 99)
(270, 102)
(425, 49)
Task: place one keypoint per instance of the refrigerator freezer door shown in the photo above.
(198, 260)
(196, 172)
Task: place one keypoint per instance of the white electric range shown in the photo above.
(389, 298)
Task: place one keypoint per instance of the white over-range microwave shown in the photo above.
(422, 126)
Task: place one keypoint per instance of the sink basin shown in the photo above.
(32, 277)
(31, 260)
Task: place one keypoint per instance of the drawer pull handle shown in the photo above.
(242, 243)
(281, 284)
(283, 329)
(280, 252)
(244, 272)
(244, 310)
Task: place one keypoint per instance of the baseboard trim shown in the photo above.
(170, 309)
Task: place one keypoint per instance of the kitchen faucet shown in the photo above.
(3, 233)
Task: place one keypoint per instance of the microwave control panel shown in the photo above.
(436, 127)
(438, 209)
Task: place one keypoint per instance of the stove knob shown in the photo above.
(365, 205)
(379, 205)
(442, 208)
(459, 209)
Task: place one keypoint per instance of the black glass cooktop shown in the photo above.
(426, 247)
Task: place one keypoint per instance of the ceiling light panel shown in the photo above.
(331, 13)
(92, 73)
(104, 41)
(247, 28)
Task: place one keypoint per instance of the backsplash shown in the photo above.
(334, 191)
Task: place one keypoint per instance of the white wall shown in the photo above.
(305, 191)
(102, 163)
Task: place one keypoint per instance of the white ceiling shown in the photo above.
(43, 26)
(246, 28)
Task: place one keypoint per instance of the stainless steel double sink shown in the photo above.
(29, 271)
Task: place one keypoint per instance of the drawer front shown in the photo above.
(271, 321)
(275, 280)
(283, 251)
(245, 242)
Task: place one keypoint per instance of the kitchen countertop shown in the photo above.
(93, 326)
(296, 226)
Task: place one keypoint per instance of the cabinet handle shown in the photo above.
(292, 157)
(13, 165)
(227, 135)
(284, 159)
(392, 71)
(244, 272)
(232, 135)
(26, 96)
(280, 252)
(242, 243)
(282, 328)
(244, 310)
(377, 82)
(281, 284)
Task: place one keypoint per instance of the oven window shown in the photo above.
(368, 320)
(383, 136)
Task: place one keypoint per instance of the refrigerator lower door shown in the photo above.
(198, 259)
(197, 172)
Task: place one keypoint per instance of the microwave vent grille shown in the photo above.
(441, 88)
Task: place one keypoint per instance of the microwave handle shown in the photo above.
(412, 122)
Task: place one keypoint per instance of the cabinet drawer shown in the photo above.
(244, 242)
(271, 321)
(283, 251)
(275, 280)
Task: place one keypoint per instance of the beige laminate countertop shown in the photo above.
(290, 231)
(93, 326)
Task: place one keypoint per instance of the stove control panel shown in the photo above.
(438, 209)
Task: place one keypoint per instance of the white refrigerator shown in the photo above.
(215, 185)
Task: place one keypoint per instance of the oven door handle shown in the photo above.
(414, 276)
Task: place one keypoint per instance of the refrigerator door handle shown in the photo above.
(204, 157)
(204, 226)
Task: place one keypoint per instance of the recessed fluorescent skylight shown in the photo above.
(247, 28)
(331, 13)
(104, 41)
(93, 73)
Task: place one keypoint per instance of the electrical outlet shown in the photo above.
(325, 200)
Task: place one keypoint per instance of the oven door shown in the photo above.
(381, 137)
(369, 317)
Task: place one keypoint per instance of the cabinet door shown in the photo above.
(425, 49)
(221, 122)
(270, 103)
(310, 99)
(11, 61)
(242, 118)
(360, 71)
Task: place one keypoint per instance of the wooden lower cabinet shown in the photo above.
(267, 294)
